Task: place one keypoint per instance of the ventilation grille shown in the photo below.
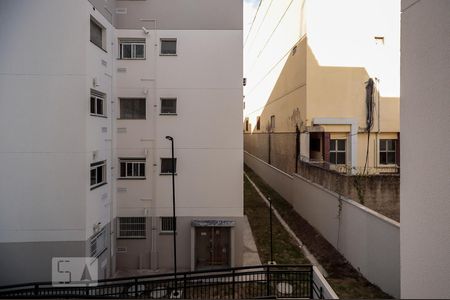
(132, 227)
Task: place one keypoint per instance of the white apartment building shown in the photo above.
(88, 92)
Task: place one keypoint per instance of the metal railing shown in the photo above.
(267, 281)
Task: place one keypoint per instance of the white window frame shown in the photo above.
(176, 106)
(168, 40)
(163, 221)
(133, 45)
(140, 222)
(95, 166)
(336, 150)
(97, 96)
(386, 152)
(132, 163)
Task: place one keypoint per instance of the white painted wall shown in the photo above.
(205, 78)
(368, 240)
(425, 186)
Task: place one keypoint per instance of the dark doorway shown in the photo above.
(212, 247)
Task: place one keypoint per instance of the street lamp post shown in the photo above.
(174, 220)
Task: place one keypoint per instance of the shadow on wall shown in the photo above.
(303, 90)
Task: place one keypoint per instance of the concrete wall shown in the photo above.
(368, 240)
(378, 192)
(425, 121)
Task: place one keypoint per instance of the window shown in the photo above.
(337, 152)
(168, 47)
(258, 123)
(166, 166)
(167, 224)
(97, 34)
(314, 144)
(168, 106)
(132, 168)
(98, 174)
(246, 125)
(98, 243)
(132, 49)
(98, 104)
(132, 108)
(388, 149)
(272, 123)
(132, 227)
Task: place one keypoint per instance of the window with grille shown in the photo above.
(166, 165)
(132, 168)
(132, 108)
(388, 149)
(98, 174)
(168, 47)
(97, 34)
(167, 224)
(168, 106)
(132, 49)
(258, 123)
(98, 103)
(338, 152)
(246, 125)
(132, 227)
(98, 243)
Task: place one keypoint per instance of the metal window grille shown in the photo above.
(132, 227)
(133, 108)
(168, 46)
(132, 168)
(168, 106)
(166, 224)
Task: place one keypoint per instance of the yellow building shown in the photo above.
(322, 84)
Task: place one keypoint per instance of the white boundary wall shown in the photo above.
(367, 239)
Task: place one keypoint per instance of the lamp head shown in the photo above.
(169, 138)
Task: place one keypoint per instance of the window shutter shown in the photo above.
(326, 146)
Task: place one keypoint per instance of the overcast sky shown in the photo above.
(250, 7)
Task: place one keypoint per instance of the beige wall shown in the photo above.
(335, 54)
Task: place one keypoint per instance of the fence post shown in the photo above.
(184, 286)
(233, 285)
(268, 280)
(135, 287)
(321, 292)
(311, 283)
(36, 289)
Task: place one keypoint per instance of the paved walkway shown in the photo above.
(251, 256)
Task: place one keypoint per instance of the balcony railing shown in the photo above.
(268, 281)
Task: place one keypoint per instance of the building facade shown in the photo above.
(322, 85)
(425, 111)
(87, 98)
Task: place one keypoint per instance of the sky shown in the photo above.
(250, 7)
